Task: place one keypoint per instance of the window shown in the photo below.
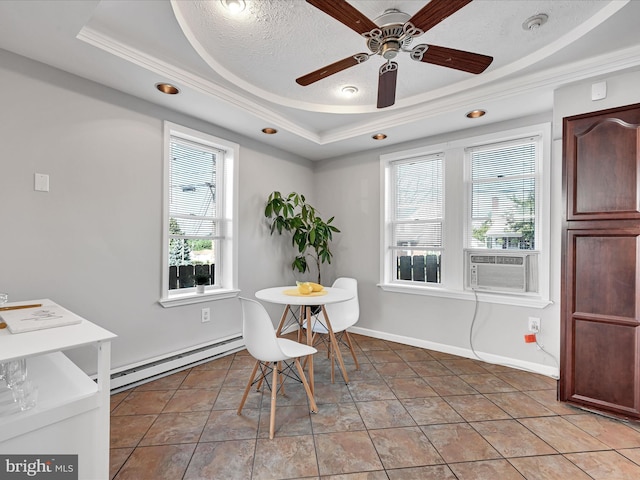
(493, 190)
(199, 228)
(417, 218)
(503, 195)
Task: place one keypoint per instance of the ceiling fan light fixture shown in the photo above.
(535, 22)
(167, 88)
(234, 6)
(379, 136)
(349, 91)
(269, 131)
(476, 113)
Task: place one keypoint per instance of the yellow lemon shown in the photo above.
(304, 288)
(316, 287)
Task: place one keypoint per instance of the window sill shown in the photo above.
(534, 301)
(192, 297)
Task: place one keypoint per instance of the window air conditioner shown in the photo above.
(501, 272)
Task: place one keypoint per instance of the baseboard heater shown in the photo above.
(127, 377)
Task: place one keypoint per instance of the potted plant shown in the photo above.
(311, 235)
(201, 281)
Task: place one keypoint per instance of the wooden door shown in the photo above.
(600, 325)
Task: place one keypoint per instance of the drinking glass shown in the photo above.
(15, 372)
(25, 395)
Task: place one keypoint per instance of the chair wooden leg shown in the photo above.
(336, 347)
(274, 390)
(259, 385)
(281, 377)
(246, 390)
(353, 352)
(312, 401)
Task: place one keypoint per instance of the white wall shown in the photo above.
(349, 188)
(93, 243)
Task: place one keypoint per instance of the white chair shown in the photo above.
(270, 353)
(342, 315)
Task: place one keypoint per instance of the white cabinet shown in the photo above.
(72, 413)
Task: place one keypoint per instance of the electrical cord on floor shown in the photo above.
(473, 350)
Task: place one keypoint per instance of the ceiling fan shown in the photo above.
(391, 35)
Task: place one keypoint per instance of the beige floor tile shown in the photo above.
(525, 381)
(413, 387)
(394, 370)
(212, 379)
(346, 452)
(518, 404)
(486, 470)
(464, 366)
(337, 417)
(290, 420)
(117, 457)
(163, 462)
(432, 472)
(192, 400)
(222, 460)
(548, 398)
(384, 414)
(610, 432)
(608, 465)
(224, 425)
(430, 368)
(511, 439)
(174, 428)
(475, 408)
(450, 385)
(414, 355)
(363, 391)
(404, 447)
(562, 435)
(548, 467)
(487, 383)
(127, 431)
(285, 457)
(632, 454)
(458, 442)
(431, 411)
(142, 402)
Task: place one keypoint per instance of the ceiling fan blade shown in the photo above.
(346, 14)
(336, 67)
(434, 12)
(451, 58)
(387, 84)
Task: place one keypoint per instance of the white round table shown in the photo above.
(305, 302)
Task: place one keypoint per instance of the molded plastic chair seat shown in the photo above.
(270, 353)
(342, 315)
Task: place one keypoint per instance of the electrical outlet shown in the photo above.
(534, 324)
(205, 314)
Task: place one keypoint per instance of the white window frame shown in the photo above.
(457, 206)
(226, 284)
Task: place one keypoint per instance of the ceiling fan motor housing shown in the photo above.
(390, 37)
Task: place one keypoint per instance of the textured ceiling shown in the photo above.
(239, 71)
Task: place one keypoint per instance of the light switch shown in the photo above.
(599, 91)
(41, 182)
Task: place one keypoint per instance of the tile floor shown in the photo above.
(408, 413)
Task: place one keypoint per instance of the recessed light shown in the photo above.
(234, 6)
(167, 88)
(535, 22)
(269, 131)
(476, 113)
(349, 91)
(379, 136)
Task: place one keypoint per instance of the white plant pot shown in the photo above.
(200, 288)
